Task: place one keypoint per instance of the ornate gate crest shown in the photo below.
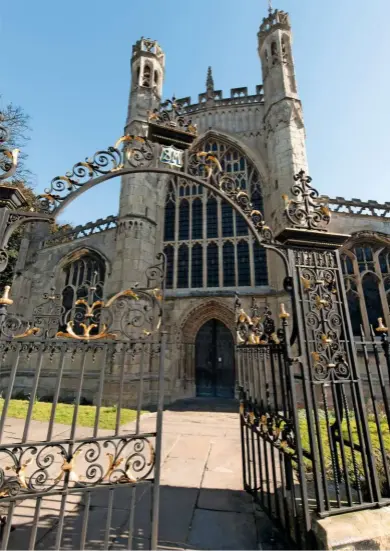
(171, 156)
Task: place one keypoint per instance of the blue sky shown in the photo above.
(68, 65)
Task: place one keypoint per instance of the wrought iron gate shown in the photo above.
(314, 425)
(83, 477)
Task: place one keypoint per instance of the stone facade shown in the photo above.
(265, 129)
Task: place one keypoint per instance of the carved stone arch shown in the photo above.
(366, 236)
(80, 251)
(253, 157)
(199, 315)
(72, 256)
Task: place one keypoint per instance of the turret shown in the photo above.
(147, 76)
(283, 119)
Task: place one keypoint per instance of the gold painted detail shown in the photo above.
(282, 312)
(381, 327)
(5, 300)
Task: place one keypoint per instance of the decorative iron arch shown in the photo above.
(134, 155)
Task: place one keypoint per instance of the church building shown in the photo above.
(258, 138)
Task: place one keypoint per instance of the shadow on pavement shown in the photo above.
(190, 518)
(224, 405)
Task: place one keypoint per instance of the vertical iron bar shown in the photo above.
(141, 388)
(84, 527)
(361, 442)
(56, 394)
(79, 391)
(380, 375)
(339, 420)
(131, 517)
(254, 462)
(34, 527)
(60, 525)
(260, 468)
(159, 425)
(374, 401)
(121, 378)
(109, 517)
(9, 391)
(100, 392)
(295, 418)
(248, 451)
(333, 452)
(33, 393)
(242, 427)
(8, 526)
(350, 436)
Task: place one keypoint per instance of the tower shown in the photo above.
(284, 126)
(147, 76)
(141, 194)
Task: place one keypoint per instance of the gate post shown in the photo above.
(341, 453)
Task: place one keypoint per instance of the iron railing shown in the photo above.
(56, 454)
(303, 439)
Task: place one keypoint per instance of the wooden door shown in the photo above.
(214, 357)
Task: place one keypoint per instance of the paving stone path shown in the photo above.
(202, 503)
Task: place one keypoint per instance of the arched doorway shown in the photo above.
(214, 360)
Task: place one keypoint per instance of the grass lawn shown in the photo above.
(64, 413)
(384, 428)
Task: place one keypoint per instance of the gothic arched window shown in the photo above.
(366, 267)
(84, 277)
(220, 249)
(146, 76)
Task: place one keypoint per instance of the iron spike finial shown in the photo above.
(270, 9)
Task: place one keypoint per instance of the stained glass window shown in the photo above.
(212, 265)
(182, 272)
(215, 233)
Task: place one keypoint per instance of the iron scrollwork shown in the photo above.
(35, 469)
(205, 165)
(171, 115)
(322, 314)
(133, 151)
(259, 327)
(304, 210)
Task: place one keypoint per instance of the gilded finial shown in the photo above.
(381, 327)
(282, 312)
(5, 298)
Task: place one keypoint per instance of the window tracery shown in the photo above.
(366, 267)
(84, 278)
(220, 252)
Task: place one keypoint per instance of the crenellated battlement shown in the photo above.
(147, 46)
(276, 20)
(206, 100)
(357, 207)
